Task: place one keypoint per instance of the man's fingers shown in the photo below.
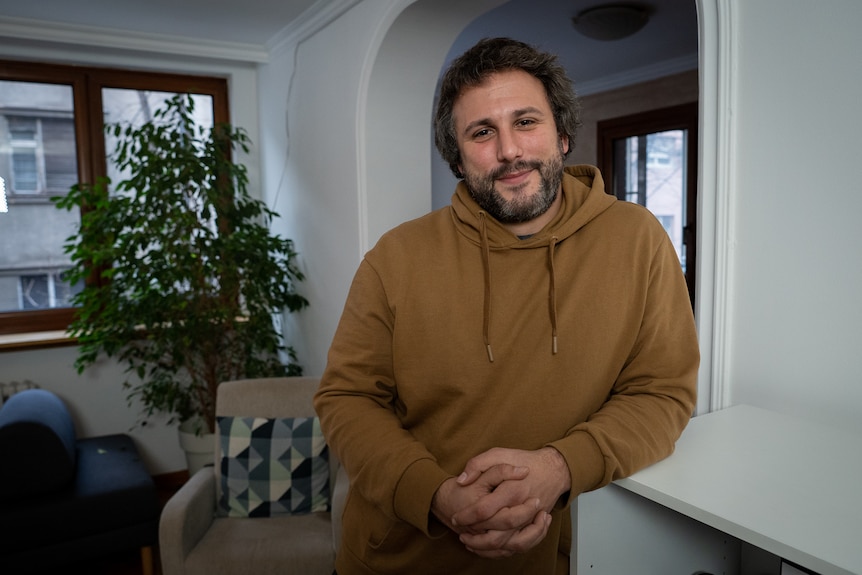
(530, 536)
(497, 496)
(491, 474)
(497, 544)
(495, 512)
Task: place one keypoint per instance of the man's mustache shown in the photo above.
(519, 166)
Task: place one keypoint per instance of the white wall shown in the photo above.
(309, 95)
(795, 310)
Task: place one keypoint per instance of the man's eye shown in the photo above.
(482, 133)
(526, 122)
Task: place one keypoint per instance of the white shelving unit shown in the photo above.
(743, 475)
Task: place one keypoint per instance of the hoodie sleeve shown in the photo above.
(654, 395)
(358, 401)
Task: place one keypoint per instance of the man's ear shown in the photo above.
(564, 143)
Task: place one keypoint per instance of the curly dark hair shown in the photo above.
(492, 55)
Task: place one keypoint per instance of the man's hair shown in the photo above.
(492, 55)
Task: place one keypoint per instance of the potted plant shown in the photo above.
(181, 273)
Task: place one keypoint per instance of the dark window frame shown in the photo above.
(87, 84)
(680, 117)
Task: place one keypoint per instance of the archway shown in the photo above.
(394, 140)
(394, 145)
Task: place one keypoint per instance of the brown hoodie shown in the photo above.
(458, 337)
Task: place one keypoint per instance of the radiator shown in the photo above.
(8, 389)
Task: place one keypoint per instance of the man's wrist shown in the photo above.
(560, 467)
(439, 508)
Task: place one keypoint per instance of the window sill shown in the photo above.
(35, 340)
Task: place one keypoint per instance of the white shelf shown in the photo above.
(787, 486)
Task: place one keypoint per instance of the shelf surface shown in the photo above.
(791, 487)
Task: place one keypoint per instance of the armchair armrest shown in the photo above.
(185, 519)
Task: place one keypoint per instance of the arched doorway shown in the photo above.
(394, 145)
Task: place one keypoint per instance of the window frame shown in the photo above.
(679, 117)
(87, 84)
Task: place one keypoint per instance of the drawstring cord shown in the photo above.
(552, 294)
(486, 265)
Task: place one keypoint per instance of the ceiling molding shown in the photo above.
(315, 18)
(638, 75)
(54, 33)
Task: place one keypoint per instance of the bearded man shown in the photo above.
(500, 356)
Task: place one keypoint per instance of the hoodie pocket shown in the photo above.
(373, 536)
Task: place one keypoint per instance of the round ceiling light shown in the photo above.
(610, 22)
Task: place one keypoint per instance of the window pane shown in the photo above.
(136, 107)
(654, 176)
(63, 291)
(34, 291)
(25, 180)
(58, 137)
(37, 161)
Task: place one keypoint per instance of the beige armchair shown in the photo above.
(195, 539)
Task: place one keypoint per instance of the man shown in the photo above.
(498, 357)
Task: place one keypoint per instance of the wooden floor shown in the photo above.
(122, 563)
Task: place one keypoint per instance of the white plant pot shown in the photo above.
(199, 449)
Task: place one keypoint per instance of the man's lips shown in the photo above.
(513, 179)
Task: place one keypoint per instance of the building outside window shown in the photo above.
(51, 139)
(37, 160)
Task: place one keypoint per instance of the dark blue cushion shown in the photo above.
(37, 444)
(112, 504)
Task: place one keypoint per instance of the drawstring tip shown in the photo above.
(555, 346)
(490, 353)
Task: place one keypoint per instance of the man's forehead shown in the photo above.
(520, 91)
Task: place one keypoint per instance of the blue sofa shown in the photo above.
(65, 500)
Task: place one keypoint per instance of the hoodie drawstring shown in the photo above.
(552, 294)
(486, 265)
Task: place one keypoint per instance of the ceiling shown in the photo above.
(240, 21)
(667, 44)
(669, 40)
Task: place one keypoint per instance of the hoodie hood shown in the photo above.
(583, 199)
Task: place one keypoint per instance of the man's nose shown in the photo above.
(508, 146)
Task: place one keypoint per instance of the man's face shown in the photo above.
(511, 153)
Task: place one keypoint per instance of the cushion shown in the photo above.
(112, 502)
(272, 466)
(37, 444)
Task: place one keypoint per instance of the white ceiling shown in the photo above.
(668, 42)
(240, 21)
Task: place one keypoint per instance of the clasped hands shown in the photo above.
(500, 505)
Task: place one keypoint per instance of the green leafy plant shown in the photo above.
(181, 273)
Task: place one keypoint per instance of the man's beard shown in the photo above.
(518, 209)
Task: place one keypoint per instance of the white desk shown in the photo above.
(783, 485)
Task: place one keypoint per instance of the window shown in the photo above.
(651, 159)
(42, 149)
(51, 137)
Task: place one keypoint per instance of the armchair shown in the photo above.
(195, 536)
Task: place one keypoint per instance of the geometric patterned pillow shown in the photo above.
(272, 467)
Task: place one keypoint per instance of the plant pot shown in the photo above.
(199, 449)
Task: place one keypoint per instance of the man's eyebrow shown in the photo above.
(516, 114)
